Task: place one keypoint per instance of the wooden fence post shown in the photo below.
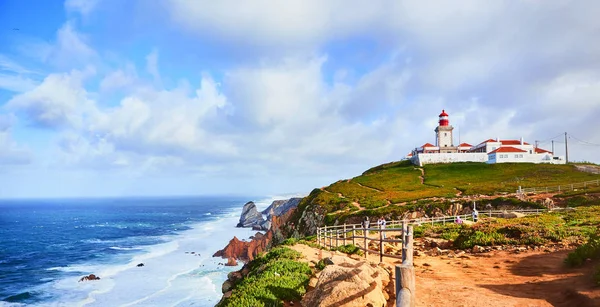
(366, 233)
(353, 234)
(337, 238)
(345, 233)
(380, 246)
(405, 273)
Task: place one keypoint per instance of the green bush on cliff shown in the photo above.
(589, 250)
(350, 249)
(273, 277)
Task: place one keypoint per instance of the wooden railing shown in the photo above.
(355, 234)
(560, 188)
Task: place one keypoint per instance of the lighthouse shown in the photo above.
(443, 132)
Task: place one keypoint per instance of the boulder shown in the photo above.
(231, 262)
(89, 277)
(250, 216)
(348, 283)
(227, 285)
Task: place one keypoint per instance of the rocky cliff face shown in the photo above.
(243, 250)
(250, 216)
(247, 250)
(279, 207)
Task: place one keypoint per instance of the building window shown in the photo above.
(445, 134)
(516, 156)
(520, 156)
(446, 145)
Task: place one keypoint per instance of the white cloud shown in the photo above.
(59, 101)
(69, 50)
(10, 152)
(152, 65)
(17, 84)
(120, 78)
(297, 23)
(83, 7)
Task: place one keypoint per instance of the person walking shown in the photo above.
(381, 223)
(366, 222)
(475, 215)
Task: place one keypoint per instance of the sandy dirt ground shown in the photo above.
(497, 278)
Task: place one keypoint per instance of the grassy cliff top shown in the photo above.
(401, 182)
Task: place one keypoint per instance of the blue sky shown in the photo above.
(175, 97)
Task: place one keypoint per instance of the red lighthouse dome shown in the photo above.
(444, 119)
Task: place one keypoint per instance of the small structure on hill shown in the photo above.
(489, 151)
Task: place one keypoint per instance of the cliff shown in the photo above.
(247, 250)
(250, 216)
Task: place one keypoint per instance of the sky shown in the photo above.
(175, 97)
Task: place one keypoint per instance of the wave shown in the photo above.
(125, 248)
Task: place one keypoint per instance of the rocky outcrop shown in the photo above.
(247, 250)
(279, 207)
(244, 250)
(348, 282)
(89, 277)
(250, 216)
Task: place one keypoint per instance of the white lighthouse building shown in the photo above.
(489, 151)
(443, 134)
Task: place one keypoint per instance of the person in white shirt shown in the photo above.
(381, 223)
(475, 215)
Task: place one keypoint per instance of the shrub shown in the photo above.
(350, 249)
(589, 250)
(273, 278)
(597, 276)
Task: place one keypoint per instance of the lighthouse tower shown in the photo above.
(443, 132)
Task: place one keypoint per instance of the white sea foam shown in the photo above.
(171, 275)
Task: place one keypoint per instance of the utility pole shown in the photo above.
(566, 149)
(536, 143)
(552, 147)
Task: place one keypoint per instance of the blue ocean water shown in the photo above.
(46, 246)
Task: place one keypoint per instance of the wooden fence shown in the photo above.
(355, 234)
(561, 188)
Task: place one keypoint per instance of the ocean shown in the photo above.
(46, 246)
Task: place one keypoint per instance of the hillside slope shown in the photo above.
(394, 188)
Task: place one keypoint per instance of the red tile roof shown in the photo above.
(512, 142)
(465, 145)
(539, 150)
(507, 149)
(428, 145)
(486, 141)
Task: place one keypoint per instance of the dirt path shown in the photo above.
(496, 279)
(422, 177)
(370, 188)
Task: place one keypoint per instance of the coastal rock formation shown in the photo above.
(279, 207)
(247, 251)
(89, 277)
(250, 216)
(348, 282)
(242, 250)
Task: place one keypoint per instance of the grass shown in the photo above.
(589, 250)
(568, 226)
(380, 188)
(273, 278)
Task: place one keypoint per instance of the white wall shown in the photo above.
(421, 159)
(509, 157)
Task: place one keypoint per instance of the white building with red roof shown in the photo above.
(489, 151)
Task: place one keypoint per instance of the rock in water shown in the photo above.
(89, 277)
(250, 216)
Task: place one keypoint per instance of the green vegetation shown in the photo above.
(379, 190)
(569, 226)
(350, 249)
(589, 250)
(273, 278)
